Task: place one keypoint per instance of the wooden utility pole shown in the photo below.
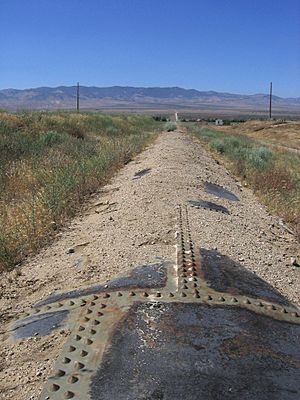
(270, 107)
(77, 104)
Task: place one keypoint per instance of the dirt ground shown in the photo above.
(281, 133)
(130, 222)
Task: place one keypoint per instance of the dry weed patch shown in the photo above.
(49, 162)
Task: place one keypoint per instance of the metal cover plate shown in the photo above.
(219, 191)
(183, 338)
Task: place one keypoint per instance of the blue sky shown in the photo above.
(236, 46)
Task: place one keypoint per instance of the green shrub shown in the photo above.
(260, 158)
(218, 145)
(170, 126)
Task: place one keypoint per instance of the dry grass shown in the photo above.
(49, 162)
(286, 134)
(273, 174)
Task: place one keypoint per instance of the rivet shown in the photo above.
(88, 341)
(93, 332)
(247, 301)
(209, 297)
(120, 294)
(184, 287)
(106, 295)
(234, 300)
(73, 379)
(93, 303)
(69, 395)
(131, 294)
(95, 297)
(260, 304)
(77, 337)
(99, 313)
(182, 294)
(82, 302)
(89, 311)
(102, 305)
(78, 365)
(284, 310)
(71, 349)
(295, 314)
(184, 281)
(196, 294)
(171, 294)
(66, 360)
(96, 322)
(194, 279)
(60, 372)
(59, 304)
(47, 307)
(71, 303)
(54, 387)
(81, 328)
(145, 294)
(83, 353)
(221, 298)
(86, 319)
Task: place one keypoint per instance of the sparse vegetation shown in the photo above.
(170, 126)
(49, 162)
(273, 174)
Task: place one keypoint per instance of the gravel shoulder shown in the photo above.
(131, 222)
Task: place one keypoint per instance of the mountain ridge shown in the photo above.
(64, 97)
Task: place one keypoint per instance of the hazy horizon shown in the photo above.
(147, 87)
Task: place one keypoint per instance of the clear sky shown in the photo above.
(236, 46)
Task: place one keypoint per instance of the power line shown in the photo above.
(270, 106)
(77, 102)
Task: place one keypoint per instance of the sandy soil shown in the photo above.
(131, 222)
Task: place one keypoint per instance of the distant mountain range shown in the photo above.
(141, 98)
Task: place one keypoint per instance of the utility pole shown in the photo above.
(77, 103)
(270, 107)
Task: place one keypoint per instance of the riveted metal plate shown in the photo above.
(189, 336)
(219, 191)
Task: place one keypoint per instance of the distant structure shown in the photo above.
(176, 116)
(219, 122)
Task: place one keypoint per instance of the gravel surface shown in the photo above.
(130, 222)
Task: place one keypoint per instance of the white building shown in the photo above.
(219, 122)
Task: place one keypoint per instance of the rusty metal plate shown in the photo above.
(189, 335)
(225, 275)
(208, 205)
(143, 276)
(41, 324)
(141, 173)
(219, 191)
(196, 351)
